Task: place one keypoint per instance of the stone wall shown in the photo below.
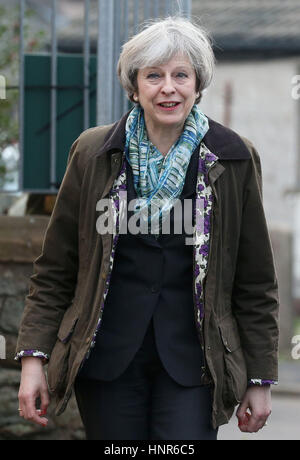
(20, 243)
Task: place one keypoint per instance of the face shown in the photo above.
(167, 92)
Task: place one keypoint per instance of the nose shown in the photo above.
(168, 86)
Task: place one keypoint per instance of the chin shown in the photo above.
(172, 121)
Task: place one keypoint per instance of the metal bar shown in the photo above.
(296, 189)
(21, 96)
(117, 99)
(105, 61)
(146, 10)
(126, 21)
(186, 8)
(125, 38)
(62, 87)
(298, 144)
(167, 7)
(136, 16)
(177, 7)
(44, 191)
(53, 98)
(156, 8)
(86, 77)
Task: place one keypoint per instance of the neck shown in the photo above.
(163, 137)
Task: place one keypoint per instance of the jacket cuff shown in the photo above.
(35, 353)
(261, 382)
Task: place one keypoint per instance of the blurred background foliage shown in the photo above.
(9, 68)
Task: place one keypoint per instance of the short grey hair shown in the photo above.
(159, 42)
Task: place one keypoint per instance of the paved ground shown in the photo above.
(289, 374)
(283, 424)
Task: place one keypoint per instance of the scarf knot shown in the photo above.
(158, 179)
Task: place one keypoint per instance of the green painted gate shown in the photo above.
(69, 117)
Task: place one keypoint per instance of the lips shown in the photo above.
(168, 104)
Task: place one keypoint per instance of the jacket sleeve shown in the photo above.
(52, 285)
(255, 293)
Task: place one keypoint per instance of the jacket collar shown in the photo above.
(221, 141)
(115, 138)
(225, 143)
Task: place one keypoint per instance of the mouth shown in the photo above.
(168, 106)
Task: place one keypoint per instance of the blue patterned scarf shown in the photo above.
(159, 179)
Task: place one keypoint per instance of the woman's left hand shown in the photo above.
(258, 400)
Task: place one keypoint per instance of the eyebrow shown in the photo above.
(179, 67)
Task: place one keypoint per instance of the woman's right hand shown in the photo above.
(33, 385)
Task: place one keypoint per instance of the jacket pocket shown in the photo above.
(58, 364)
(235, 371)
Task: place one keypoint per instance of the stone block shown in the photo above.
(11, 314)
(21, 238)
(11, 343)
(14, 278)
(9, 378)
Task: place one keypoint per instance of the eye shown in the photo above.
(182, 75)
(153, 75)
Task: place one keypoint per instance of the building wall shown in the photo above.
(263, 110)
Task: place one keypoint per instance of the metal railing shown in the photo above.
(117, 21)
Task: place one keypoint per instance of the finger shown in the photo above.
(31, 413)
(20, 410)
(255, 423)
(243, 422)
(242, 409)
(259, 419)
(45, 401)
(22, 406)
(242, 413)
(40, 414)
(38, 419)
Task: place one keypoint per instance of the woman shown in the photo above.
(161, 337)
